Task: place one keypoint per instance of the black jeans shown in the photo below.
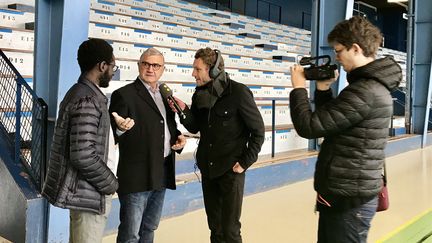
(223, 197)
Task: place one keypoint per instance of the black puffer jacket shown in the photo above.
(355, 125)
(78, 177)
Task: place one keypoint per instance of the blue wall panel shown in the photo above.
(58, 225)
(393, 27)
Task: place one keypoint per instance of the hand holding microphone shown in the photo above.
(181, 105)
(176, 105)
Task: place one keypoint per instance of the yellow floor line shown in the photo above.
(402, 227)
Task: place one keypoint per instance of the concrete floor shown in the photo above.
(286, 214)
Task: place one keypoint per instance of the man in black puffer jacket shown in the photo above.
(355, 126)
(78, 177)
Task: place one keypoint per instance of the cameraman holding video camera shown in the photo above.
(355, 126)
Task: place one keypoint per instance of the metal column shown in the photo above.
(325, 15)
(421, 67)
(60, 27)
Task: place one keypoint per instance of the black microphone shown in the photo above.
(167, 93)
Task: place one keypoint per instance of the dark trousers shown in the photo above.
(347, 226)
(223, 197)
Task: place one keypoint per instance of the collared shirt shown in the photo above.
(112, 153)
(157, 98)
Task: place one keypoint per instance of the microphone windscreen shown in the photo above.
(165, 91)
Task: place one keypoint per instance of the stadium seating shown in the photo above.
(257, 53)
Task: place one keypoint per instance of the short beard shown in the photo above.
(104, 79)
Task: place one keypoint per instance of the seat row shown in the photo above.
(285, 140)
(201, 12)
(23, 40)
(260, 82)
(23, 62)
(16, 39)
(19, 39)
(186, 88)
(153, 11)
(182, 74)
(145, 37)
(186, 57)
(15, 19)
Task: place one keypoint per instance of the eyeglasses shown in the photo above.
(155, 66)
(115, 67)
(339, 51)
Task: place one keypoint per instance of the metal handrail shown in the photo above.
(23, 121)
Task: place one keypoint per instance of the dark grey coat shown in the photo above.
(355, 126)
(78, 176)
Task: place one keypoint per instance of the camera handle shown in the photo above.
(314, 60)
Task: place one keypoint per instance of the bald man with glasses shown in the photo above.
(147, 135)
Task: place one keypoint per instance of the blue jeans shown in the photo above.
(351, 225)
(140, 214)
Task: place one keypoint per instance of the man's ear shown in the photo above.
(101, 66)
(357, 49)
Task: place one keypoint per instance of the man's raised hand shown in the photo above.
(122, 123)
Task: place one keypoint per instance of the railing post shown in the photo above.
(392, 130)
(44, 125)
(18, 122)
(273, 127)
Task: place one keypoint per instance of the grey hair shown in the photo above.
(152, 52)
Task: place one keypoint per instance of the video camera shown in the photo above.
(318, 72)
